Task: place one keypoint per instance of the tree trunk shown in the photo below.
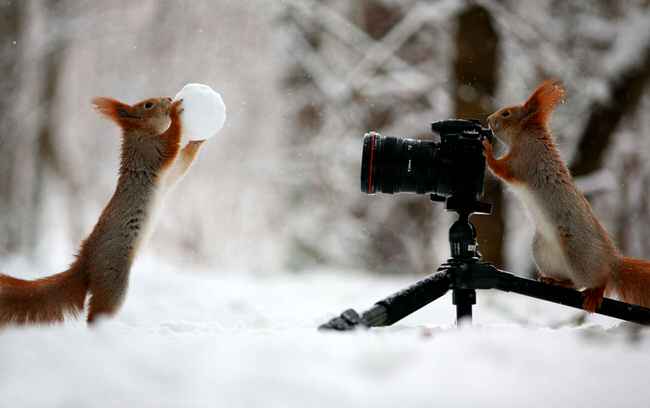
(13, 215)
(388, 74)
(626, 91)
(47, 157)
(475, 77)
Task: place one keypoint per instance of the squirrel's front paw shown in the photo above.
(177, 107)
(592, 298)
(487, 146)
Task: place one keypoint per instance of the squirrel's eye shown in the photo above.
(505, 114)
(148, 105)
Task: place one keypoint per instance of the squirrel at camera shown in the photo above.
(570, 247)
(151, 162)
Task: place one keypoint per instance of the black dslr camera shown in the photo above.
(454, 167)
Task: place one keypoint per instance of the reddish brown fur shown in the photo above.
(633, 283)
(43, 300)
(534, 161)
(500, 167)
(172, 136)
(593, 297)
(542, 102)
(147, 150)
(110, 107)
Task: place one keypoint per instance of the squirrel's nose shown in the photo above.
(490, 121)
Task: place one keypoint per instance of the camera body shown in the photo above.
(454, 167)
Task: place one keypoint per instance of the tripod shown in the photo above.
(463, 273)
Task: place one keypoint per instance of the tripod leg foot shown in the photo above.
(348, 320)
(593, 297)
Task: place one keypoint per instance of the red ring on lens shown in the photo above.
(373, 146)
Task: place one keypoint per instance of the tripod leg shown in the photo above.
(464, 299)
(395, 307)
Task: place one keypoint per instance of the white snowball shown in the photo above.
(204, 111)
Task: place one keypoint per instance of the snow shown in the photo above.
(196, 338)
(227, 337)
(204, 112)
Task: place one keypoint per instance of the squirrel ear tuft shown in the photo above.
(111, 108)
(541, 103)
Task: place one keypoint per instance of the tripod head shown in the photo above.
(462, 234)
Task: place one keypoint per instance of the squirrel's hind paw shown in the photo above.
(593, 297)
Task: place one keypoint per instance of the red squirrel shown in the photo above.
(151, 161)
(570, 247)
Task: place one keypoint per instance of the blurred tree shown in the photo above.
(475, 83)
(600, 51)
(626, 88)
(386, 250)
(27, 150)
(13, 214)
(359, 66)
(51, 65)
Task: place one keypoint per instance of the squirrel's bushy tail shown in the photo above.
(633, 285)
(43, 300)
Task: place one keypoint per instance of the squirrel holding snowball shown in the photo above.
(151, 162)
(570, 247)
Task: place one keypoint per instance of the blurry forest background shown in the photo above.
(303, 80)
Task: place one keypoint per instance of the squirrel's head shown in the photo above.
(150, 138)
(513, 122)
(149, 116)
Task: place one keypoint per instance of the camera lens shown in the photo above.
(393, 165)
(368, 162)
(455, 167)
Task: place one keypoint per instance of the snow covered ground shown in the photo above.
(197, 339)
